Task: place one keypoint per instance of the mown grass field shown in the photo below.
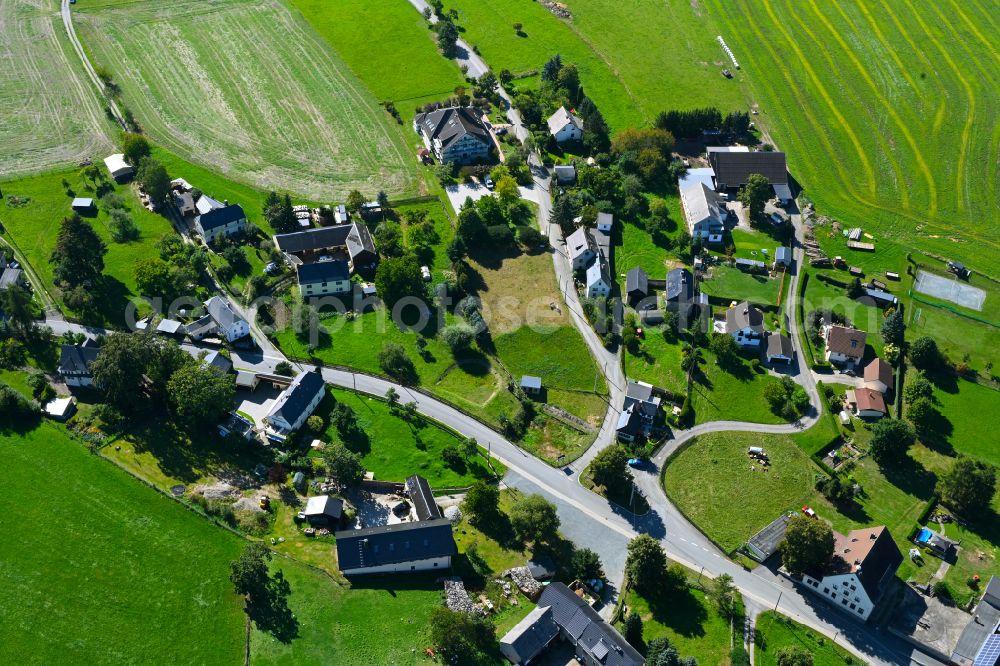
(103, 559)
(689, 620)
(734, 284)
(390, 48)
(890, 122)
(626, 64)
(394, 449)
(33, 228)
(250, 89)
(733, 394)
(775, 631)
(658, 361)
(51, 116)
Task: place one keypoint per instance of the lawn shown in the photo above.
(734, 394)
(904, 93)
(374, 621)
(775, 631)
(729, 497)
(103, 559)
(409, 73)
(956, 336)
(50, 110)
(523, 352)
(251, 89)
(626, 66)
(658, 362)
(635, 247)
(733, 284)
(394, 449)
(689, 620)
(963, 404)
(33, 227)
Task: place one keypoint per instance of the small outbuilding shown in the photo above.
(783, 257)
(565, 173)
(84, 205)
(60, 409)
(323, 510)
(636, 285)
(120, 169)
(531, 385)
(878, 376)
(779, 348)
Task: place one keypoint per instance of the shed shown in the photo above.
(84, 205)
(636, 285)
(118, 167)
(419, 492)
(169, 327)
(604, 222)
(765, 543)
(60, 408)
(247, 380)
(323, 510)
(531, 385)
(783, 256)
(565, 173)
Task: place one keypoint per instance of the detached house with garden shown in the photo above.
(295, 404)
(564, 126)
(456, 134)
(221, 222)
(844, 346)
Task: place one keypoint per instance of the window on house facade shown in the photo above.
(826, 590)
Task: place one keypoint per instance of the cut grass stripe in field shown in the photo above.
(886, 104)
(821, 89)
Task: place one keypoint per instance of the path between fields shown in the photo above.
(67, 17)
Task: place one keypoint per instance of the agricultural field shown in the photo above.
(626, 66)
(103, 559)
(50, 110)
(775, 631)
(32, 228)
(250, 89)
(890, 124)
(409, 73)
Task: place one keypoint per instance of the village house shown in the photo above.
(703, 212)
(866, 403)
(295, 404)
(581, 248)
(732, 167)
(679, 292)
(640, 412)
(564, 126)
(424, 545)
(221, 320)
(636, 286)
(859, 572)
(878, 376)
(75, 362)
(352, 242)
(322, 278)
(745, 323)
(455, 134)
(779, 348)
(844, 346)
(597, 281)
(560, 613)
(222, 222)
(979, 642)
(12, 277)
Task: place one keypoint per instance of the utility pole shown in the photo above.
(778, 601)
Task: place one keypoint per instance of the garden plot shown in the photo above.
(251, 89)
(49, 114)
(950, 289)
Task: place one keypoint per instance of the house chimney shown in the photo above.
(225, 202)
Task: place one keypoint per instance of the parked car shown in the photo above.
(271, 268)
(488, 182)
(635, 462)
(809, 512)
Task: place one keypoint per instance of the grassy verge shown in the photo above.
(775, 631)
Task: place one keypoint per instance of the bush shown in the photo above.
(458, 337)
(451, 456)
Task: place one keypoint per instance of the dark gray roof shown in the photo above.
(355, 237)
(11, 277)
(779, 345)
(744, 315)
(636, 281)
(541, 567)
(221, 312)
(76, 360)
(323, 271)
(449, 125)
(218, 361)
(770, 537)
(422, 498)
(530, 636)
(680, 285)
(587, 629)
(733, 168)
(392, 544)
(220, 217)
(298, 395)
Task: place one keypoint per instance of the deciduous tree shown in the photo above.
(343, 465)
(808, 545)
(890, 440)
(754, 195)
(534, 519)
(968, 487)
(646, 563)
(200, 394)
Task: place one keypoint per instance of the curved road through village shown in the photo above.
(588, 519)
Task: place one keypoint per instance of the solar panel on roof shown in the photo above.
(989, 654)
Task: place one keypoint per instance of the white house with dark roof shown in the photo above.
(221, 222)
(221, 319)
(640, 410)
(564, 126)
(424, 545)
(75, 362)
(322, 278)
(597, 281)
(779, 348)
(455, 134)
(859, 572)
(295, 404)
(844, 346)
(745, 323)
